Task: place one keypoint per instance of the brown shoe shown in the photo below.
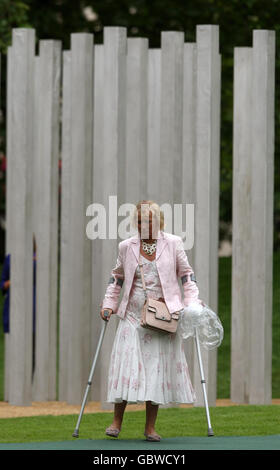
(152, 437)
(112, 432)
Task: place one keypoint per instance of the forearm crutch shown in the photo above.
(203, 382)
(76, 431)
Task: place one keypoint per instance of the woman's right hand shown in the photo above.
(105, 313)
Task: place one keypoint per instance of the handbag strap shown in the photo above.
(173, 315)
(142, 275)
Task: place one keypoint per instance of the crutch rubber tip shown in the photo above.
(210, 432)
(75, 433)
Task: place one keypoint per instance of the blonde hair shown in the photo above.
(153, 207)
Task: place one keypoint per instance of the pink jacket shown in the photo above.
(172, 263)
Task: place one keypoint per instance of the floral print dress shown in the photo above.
(145, 364)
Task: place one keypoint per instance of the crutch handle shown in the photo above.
(106, 314)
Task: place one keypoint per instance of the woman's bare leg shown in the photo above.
(118, 414)
(151, 416)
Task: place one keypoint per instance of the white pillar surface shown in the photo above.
(44, 387)
(21, 273)
(188, 158)
(241, 225)
(136, 123)
(82, 50)
(263, 87)
(65, 253)
(136, 119)
(153, 124)
(207, 189)
(36, 195)
(171, 129)
(115, 50)
(97, 197)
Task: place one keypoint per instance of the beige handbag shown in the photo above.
(155, 314)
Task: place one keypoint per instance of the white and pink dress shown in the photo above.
(147, 365)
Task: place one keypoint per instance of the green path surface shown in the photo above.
(178, 443)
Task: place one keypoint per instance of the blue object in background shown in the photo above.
(6, 292)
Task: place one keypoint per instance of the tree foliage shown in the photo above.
(12, 15)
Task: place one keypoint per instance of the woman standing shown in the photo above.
(146, 365)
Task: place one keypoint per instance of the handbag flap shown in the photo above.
(159, 309)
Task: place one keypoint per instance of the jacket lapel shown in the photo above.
(161, 243)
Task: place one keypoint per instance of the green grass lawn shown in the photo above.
(224, 310)
(171, 422)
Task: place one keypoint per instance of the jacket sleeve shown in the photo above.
(115, 283)
(186, 274)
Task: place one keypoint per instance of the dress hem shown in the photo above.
(153, 402)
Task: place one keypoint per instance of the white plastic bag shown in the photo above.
(207, 322)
